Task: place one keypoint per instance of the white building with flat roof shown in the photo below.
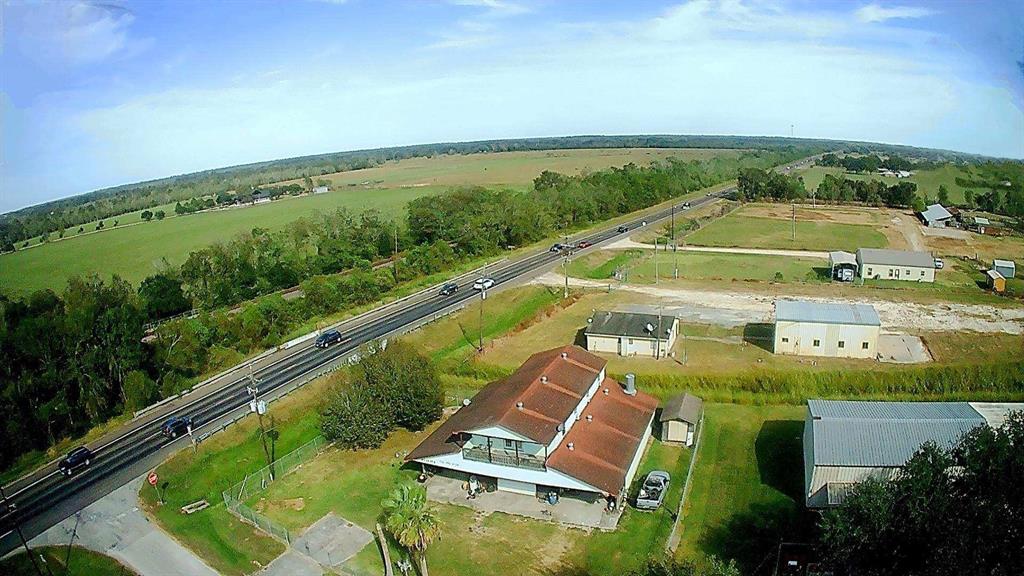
(826, 329)
(880, 264)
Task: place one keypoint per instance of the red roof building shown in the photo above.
(556, 422)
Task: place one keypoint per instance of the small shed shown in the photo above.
(1005, 267)
(936, 216)
(679, 418)
(996, 281)
(843, 265)
(980, 223)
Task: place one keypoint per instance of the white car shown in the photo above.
(483, 284)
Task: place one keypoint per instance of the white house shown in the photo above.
(817, 329)
(557, 422)
(321, 190)
(846, 441)
(629, 334)
(895, 265)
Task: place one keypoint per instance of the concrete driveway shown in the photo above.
(114, 525)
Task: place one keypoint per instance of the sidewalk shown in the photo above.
(114, 525)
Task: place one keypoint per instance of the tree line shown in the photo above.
(68, 213)
(77, 357)
(754, 184)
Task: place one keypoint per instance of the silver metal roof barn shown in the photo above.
(826, 313)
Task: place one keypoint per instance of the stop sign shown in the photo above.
(152, 478)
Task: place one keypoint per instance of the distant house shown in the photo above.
(260, 196)
(895, 265)
(557, 422)
(630, 334)
(846, 442)
(1005, 267)
(979, 224)
(321, 189)
(824, 329)
(996, 281)
(680, 417)
(903, 174)
(936, 216)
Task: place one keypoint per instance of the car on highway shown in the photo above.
(555, 249)
(652, 492)
(483, 284)
(449, 289)
(176, 426)
(582, 244)
(622, 229)
(328, 338)
(685, 206)
(75, 460)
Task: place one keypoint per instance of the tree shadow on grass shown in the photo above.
(760, 334)
(822, 273)
(779, 452)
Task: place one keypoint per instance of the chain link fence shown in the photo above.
(258, 481)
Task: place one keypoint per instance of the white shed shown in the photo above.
(1005, 267)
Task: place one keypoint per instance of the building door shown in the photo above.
(620, 347)
(897, 274)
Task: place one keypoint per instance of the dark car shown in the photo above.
(449, 289)
(328, 338)
(75, 460)
(176, 426)
(556, 248)
(622, 229)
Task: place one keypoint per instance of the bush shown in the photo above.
(139, 391)
(356, 418)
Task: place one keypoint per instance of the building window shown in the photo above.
(890, 272)
(630, 340)
(922, 273)
(842, 344)
(510, 444)
(817, 343)
(863, 345)
(869, 271)
(908, 273)
(785, 340)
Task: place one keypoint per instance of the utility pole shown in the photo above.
(565, 274)
(12, 508)
(483, 296)
(259, 408)
(673, 224)
(655, 259)
(794, 221)
(394, 257)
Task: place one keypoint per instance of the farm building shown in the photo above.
(321, 190)
(979, 223)
(1005, 267)
(556, 423)
(679, 418)
(846, 441)
(936, 216)
(996, 281)
(629, 334)
(816, 329)
(881, 264)
(843, 265)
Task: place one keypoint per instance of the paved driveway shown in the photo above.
(115, 526)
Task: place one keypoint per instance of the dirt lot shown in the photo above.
(894, 315)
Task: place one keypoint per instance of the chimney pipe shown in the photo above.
(631, 384)
(590, 418)
(543, 379)
(519, 405)
(565, 355)
(570, 446)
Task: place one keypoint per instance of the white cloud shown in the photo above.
(877, 13)
(76, 33)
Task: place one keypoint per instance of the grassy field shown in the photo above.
(747, 486)
(640, 267)
(738, 230)
(136, 251)
(928, 181)
(81, 562)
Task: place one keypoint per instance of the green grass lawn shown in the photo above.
(641, 267)
(747, 485)
(928, 181)
(81, 562)
(736, 230)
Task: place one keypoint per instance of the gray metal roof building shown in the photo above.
(881, 257)
(628, 324)
(685, 407)
(826, 313)
(848, 441)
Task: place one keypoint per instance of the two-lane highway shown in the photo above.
(48, 497)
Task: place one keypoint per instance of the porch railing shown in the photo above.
(480, 454)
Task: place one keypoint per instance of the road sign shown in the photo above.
(152, 478)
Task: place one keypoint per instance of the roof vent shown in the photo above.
(560, 428)
(570, 446)
(519, 405)
(466, 401)
(605, 391)
(543, 379)
(650, 327)
(631, 384)
(565, 355)
(590, 417)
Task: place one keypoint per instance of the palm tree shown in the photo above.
(411, 521)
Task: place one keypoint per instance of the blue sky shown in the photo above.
(106, 93)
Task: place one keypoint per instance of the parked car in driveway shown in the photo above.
(483, 284)
(75, 460)
(939, 264)
(328, 338)
(449, 289)
(652, 493)
(176, 426)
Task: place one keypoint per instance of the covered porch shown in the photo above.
(574, 508)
